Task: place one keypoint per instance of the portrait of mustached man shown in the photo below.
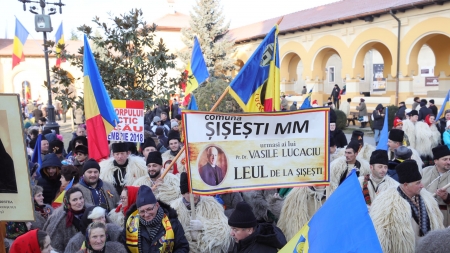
(8, 178)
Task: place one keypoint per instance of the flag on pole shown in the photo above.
(59, 200)
(342, 224)
(101, 117)
(193, 104)
(20, 38)
(36, 158)
(445, 106)
(196, 68)
(59, 41)
(256, 88)
(382, 143)
(307, 102)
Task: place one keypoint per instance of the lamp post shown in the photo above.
(43, 24)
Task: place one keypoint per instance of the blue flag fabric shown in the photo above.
(307, 102)
(342, 224)
(193, 104)
(445, 106)
(382, 143)
(36, 158)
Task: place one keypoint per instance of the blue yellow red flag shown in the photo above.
(256, 88)
(445, 107)
(36, 158)
(197, 71)
(384, 135)
(59, 200)
(342, 224)
(20, 37)
(307, 102)
(59, 38)
(101, 117)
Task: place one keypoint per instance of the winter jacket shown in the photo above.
(423, 112)
(339, 138)
(414, 105)
(111, 247)
(378, 120)
(446, 138)
(362, 109)
(267, 238)
(181, 244)
(92, 196)
(401, 112)
(113, 232)
(433, 109)
(335, 93)
(174, 110)
(50, 185)
(391, 169)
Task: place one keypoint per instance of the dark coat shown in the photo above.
(339, 138)
(391, 169)
(174, 109)
(401, 112)
(37, 114)
(433, 109)
(335, 93)
(208, 174)
(423, 112)
(50, 185)
(378, 120)
(106, 189)
(267, 238)
(181, 244)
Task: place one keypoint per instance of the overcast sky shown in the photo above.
(79, 12)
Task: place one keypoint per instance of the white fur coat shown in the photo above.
(393, 222)
(388, 183)
(424, 139)
(136, 168)
(180, 162)
(215, 236)
(338, 167)
(410, 131)
(167, 192)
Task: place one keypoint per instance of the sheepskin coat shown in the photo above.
(215, 236)
(410, 130)
(299, 206)
(56, 228)
(112, 198)
(430, 173)
(116, 217)
(338, 167)
(180, 162)
(436, 136)
(435, 242)
(385, 184)
(263, 201)
(112, 230)
(115, 247)
(424, 139)
(166, 192)
(136, 168)
(392, 218)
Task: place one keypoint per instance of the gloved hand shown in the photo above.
(196, 225)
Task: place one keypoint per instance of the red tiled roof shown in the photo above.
(34, 48)
(341, 11)
(172, 22)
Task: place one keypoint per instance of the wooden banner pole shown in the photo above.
(443, 188)
(2, 236)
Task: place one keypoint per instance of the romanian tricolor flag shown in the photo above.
(101, 117)
(257, 86)
(59, 38)
(342, 224)
(196, 68)
(19, 41)
(445, 107)
(59, 200)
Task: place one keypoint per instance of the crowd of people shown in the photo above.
(133, 202)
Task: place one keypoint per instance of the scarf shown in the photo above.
(366, 192)
(153, 225)
(88, 247)
(42, 209)
(419, 211)
(71, 214)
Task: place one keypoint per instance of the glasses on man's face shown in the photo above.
(147, 211)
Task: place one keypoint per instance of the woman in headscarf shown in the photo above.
(34, 241)
(96, 241)
(65, 222)
(430, 119)
(91, 215)
(127, 199)
(42, 210)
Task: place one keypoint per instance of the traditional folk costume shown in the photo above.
(366, 149)
(371, 186)
(420, 137)
(400, 220)
(122, 175)
(266, 204)
(166, 192)
(398, 135)
(436, 135)
(299, 206)
(214, 235)
(433, 180)
(170, 155)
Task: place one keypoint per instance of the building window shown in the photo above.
(331, 74)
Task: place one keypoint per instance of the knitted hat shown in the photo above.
(154, 157)
(440, 151)
(354, 145)
(173, 124)
(398, 122)
(119, 147)
(242, 216)
(408, 172)
(379, 156)
(156, 119)
(396, 135)
(184, 184)
(51, 160)
(413, 112)
(145, 196)
(403, 153)
(149, 142)
(358, 136)
(81, 149)
(56, 147)
(91, 164)
(173, 135)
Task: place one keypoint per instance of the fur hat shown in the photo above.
(56, 147)
(396, 135)
(408, 172)
(358, 136)
(91, 164)
(413, 113)
(154, 157)
(355, 145)
(119, 147)
(242, 216)
(81, 149)
(145, 196)
(81, 139)
(173, 135)
(184, 184)
(333, 116)
(379, 156)
(440, 151)
(402, 153)
(149, 142)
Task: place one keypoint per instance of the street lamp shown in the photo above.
(43, 24)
